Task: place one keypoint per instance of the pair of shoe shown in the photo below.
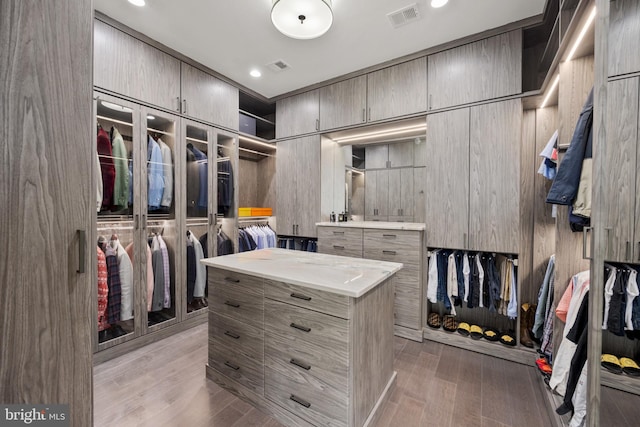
(543, 366)
(197, 304)
(619, 365)
(473, 331)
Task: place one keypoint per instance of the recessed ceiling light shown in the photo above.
(137, 2)
(434, 3)
(255, 73)
(150, 117)
(116, 107)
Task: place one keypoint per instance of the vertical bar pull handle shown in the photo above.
(144, 221)
(82, 251)
(430, 101)
(627, 254)
(638, 253)
(369, 113)
(136, 222)
(317, 124)
(178, 101)
(184, 106)
(585, 231)
(364, 115)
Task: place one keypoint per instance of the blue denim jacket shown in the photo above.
(565, 186)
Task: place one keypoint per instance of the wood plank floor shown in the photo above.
(164, 385)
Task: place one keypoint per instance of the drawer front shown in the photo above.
(323, 363)
(239, 305)
(299, 324)
(325, 302)
(242, 337)
(407, 306)
(246, 371)
(393, 245)
(303, 395)
(224, 279)
(340, 241)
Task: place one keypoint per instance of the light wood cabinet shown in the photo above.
(127, 66)
(298, 114)
(208, 98)
(447, 183)
(485, 69)
(401, 154)
(376, 195)
(397, 90)
(494, 186)
(473, 198)
(401, 195)
(419, 200)
(376, 156)
(298, 186)
(624, 33)
(343, 103)
(621, 182)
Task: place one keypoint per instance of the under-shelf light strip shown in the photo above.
(255, 141)
(583, 31)
(551, 90)
(120, 122)
(382, 133)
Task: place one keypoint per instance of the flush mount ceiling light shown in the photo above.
(438, 3)
(302, 19)
(137, 2)
(255, 73)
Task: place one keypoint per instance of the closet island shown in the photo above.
(307, 337)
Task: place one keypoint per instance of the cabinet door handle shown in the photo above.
(338, 232)
(638, 253)
(302, 328)
(300, 296)
(389, 252)
(300, 401)
(144, 221)
(628, 251)
(585, 231)
(338, 247)
(364, 115)
(232, 335)
(293, 229)
(300, 364)
(389, 236)
(178, 102)
(231, 279)
(184, 106)
(82, 251)
(297, 229)
(317, 124)
(232, 366)
(232, 304)
(430, 101)
(369, 113)
(136, 221)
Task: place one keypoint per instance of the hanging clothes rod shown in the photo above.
(105, 227)
(223, 159)
(120, 122)
(255, 152)
(188, 138)
(159, 131)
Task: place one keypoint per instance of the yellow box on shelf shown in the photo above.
(244, 211)
(255, 212)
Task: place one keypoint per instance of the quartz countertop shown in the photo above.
(353, 277)
(384, 225)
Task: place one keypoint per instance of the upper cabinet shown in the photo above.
(125, 65)
(298, 114)
(624, 33)
(208, 98)
(398, 90)
(343, 103)
(486, 69)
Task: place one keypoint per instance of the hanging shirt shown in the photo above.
(98, 179)
(466, 272)
(103, 290)
(150, 278)
(432, 279)
(225, 186)
(480, 280)
(155, 176)
(512, 309)
(191, 270)
(167, 174)
(113, 281)
(201, 269)
(106, 167)
(632, 294)
(158, 275)
(125, 268)
(608, 292)
(452, 281)
(167, 272)
(120, 160)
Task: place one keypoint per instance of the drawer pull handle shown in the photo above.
(338, 247)
(390, 236)
(302, 328)
(299, 296)
(232, 304)
(231, 279)
(338, 232)
(389, 252)
(232, 335)
(300, 364)
(300, 401)
(232, 366)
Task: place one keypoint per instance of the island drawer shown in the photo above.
(322, 363)
(393, 245)
(241, 337)
(224, 279)
(235, 302)
(299, 324)
(340, 241)
(314, 401)
(322, 301)
(246, 371)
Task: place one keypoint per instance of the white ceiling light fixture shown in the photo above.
(255, 73)
(302, 19)
(139, 3)
(438, 3)
(150, 117)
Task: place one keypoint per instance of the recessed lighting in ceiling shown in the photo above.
(137, 2)
(438, 3)
(255, 73)
(116, 107)
(302, 19)
(150, 117)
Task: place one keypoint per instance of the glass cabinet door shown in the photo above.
(117, 137)
(227, 196)
(199, 194)
(158, 216)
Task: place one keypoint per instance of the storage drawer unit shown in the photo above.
(325, 302)
(245, 339)
(236, 295)
(245, 370)
(340, 241)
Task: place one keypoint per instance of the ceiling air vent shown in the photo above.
(278, 66)
(404, 16)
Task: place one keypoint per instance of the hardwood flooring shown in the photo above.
(164, 385)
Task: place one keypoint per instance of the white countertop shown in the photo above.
(353, 277)
(414, 226)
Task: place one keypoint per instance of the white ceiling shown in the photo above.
(234, 36)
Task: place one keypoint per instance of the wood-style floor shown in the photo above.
(164, 385)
